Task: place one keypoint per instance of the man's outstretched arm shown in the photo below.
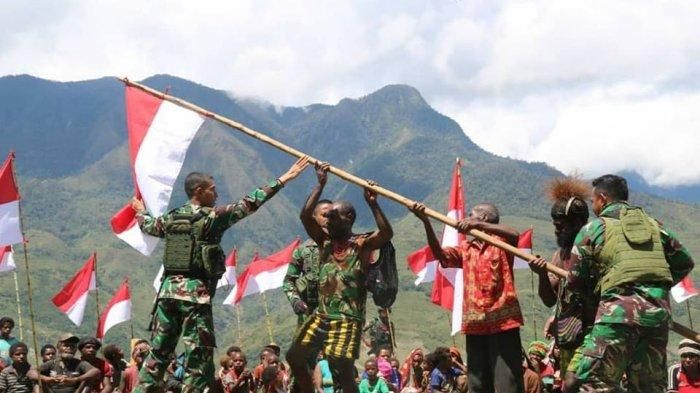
(384, 231)
(435, 247)
(312, 228)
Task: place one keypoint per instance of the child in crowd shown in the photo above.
(443, 378)
(238, 379)
(373, 384)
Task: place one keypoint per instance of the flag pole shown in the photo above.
(680, 329)
(690, 318)
(19, 307)
(97, 297)
(268, 321)
(238, 322)
(534, 300)
(29, 282)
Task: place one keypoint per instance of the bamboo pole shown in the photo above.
(391, 331)
(97, 297)
(534, 303)
(268, 321)
(365, 184)
(690, 318)
(19, 307)
(29, 283)
(238, 323)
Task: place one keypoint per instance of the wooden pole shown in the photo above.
(238, 323)
(360, 182)
(97, 297)
(268, 321)
(391, 331)
(690, 317)
(19, 307)
(534, 304)
(29, 282)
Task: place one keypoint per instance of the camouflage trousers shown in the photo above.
(611, 350)
(195, 323)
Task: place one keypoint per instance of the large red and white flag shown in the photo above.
(262, 274)
(10, 229)
(684, 290)
(118, 310)
(160, 133)
(71, 300)
(7, 262)
(229, 277)
(448, 285)
(524, 244)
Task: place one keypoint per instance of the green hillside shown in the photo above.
(74, 173)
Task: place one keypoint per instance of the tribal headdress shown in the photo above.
(568, 195)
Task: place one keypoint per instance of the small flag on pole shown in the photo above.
(262, 274)
(118, 310)
(7, 263)
(10, 228)
(684, 290)
(229, 277)
(71, 300)
(524, 244)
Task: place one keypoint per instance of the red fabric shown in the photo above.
(106, 370)
(490, 301)
(260, 265)
(121, 295)
(686, 386)
(131, 378)
(8, 187)
(76, 287)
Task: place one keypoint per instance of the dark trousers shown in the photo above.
(495, 363)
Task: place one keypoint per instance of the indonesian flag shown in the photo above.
(229, 277)
(10, 230)
(160, 133)
(262, 274)
(524, 244)
(73, 297)
(7, 263)
(118, 310)
(684, 290)
(448, 286)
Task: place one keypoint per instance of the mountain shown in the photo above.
(72, 160)
(683, 193)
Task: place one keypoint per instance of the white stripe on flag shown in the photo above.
(10, 232)
(118, 313)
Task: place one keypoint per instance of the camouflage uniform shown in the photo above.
(301, 281)
(184, 301)
(631, 325)
(336, 326)
(379, 335)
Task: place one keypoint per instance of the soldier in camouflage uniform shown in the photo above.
(380, 332)
(344, 257)
(301, 281)
(184, 300)
(635, 261)
(574, 314)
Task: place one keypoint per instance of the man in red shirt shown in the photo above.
(685, 376)
(491, 313)
(88, 348)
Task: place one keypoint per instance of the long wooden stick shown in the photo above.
(97, 298)
(19, 307)
(268, 321)
(29, 283)
(360, 182)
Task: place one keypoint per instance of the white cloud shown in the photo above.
(524, 78)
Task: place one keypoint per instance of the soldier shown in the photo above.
(344, 257)
(574, 314)
(380, 332)
(193, 261)
(301, 281)
(635, 262)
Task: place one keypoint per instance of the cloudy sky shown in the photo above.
(594, 86)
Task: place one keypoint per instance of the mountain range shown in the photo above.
(73, 169)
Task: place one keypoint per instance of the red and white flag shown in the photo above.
(262, 274)
(160, 133)
(524, 244)
(118, 310)
(684, 290)
(10, 230)
(73, 297)
(448, 285)
(7, 263)
(229, 277)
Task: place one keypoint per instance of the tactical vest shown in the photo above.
(632, 252)
(188, 250)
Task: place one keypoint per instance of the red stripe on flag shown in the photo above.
(121, 295)
(124, 219)
(8, 186)
(525, 240)
(4, 250)
(141, 109)
(232, 258)
(418, 259)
